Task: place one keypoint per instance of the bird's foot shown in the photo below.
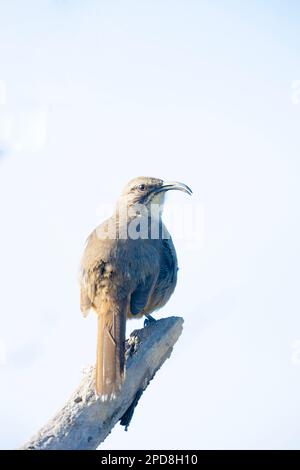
(148, 320)
(132, 344)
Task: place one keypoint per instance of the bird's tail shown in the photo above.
(110, 348)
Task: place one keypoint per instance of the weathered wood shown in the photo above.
(85, 421)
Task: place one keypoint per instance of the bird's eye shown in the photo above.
(142, 187)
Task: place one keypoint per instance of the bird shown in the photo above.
(128, 270)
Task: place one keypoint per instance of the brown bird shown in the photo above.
(128, 269)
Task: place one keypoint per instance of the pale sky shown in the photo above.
(95, 93)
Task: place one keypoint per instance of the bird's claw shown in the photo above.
(148, 320)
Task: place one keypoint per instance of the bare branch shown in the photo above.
(85, 421)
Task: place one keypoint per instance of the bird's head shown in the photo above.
(146, 191)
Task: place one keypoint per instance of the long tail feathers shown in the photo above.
(110, 350)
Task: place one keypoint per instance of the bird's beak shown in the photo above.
(168, 185)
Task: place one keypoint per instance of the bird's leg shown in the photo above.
(148, 320)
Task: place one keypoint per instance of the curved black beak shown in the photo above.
(168, 185)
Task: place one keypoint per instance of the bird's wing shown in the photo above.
(140, 297)
(169, 264)
(92, 263)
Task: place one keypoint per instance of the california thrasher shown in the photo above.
(128, 269)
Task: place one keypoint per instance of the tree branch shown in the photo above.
(85, 421)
